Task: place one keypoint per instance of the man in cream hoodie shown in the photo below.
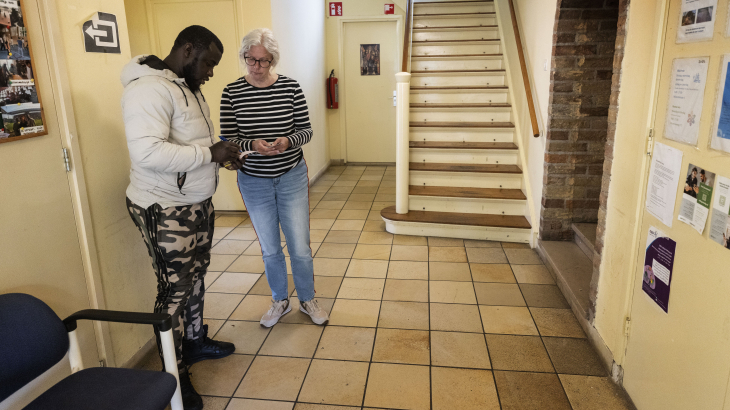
(175, 161)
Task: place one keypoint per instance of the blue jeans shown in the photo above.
(283, 200)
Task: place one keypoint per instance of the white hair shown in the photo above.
(260, 37)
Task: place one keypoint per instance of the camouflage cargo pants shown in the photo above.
(178, 240)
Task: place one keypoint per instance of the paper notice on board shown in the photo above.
(696, 197)
(666, 165)
(689, 76)
(720, 138)
(720, 222)
(696, 20)
(658, 266)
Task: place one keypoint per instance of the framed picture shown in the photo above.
(20, 103)
(369, 59)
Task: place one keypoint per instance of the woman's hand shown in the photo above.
(264, 148)
(281, 144)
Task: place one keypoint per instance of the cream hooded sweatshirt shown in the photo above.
(169, 132)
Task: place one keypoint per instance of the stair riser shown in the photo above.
(483, 115)
(459, 231)
(486, 48)
(420, 65)
(466, 179)
(466, 205)
(456, 81)
(451, 135)
(453, 8)
(458, 96)
(455, 35)
(466, 156)
(450, 21)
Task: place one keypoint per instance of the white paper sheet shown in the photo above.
(684, 109)
(720, 223)
(666, 164)
(696, 20)
(720, 138)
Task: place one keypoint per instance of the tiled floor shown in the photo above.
(416, 322)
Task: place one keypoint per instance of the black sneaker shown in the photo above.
(190, 398)
(204, 348)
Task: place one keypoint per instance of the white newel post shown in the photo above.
(402, 124)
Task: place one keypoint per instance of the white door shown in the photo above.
(369, 110)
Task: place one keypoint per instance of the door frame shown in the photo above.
(398, 19)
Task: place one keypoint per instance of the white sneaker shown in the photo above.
(276, 311)
(319, 316)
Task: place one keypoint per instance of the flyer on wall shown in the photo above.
(720, 222)
(720, 138)
(696, 20)
(696, 197)
(684, 109)
(658, 266)
(661, 192)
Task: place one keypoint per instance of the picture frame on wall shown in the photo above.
(21, 109)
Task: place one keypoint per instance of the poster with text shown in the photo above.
(696, 20)
(720, 222)
(720, 138)
(661, 191)
(687, 90)
(696, 197)
(658, 266)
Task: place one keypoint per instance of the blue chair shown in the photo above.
(36, 339)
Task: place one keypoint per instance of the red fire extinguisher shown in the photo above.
(333, 95)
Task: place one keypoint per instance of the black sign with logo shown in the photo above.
(101, 34)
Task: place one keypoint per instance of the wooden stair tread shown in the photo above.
(431, 28)
(442, 124)
(455, 71)
(480, 168)
(462, 145)
(461, 192)
(456, 105)
(455, 14)
(454, 55)
(454, 218)
(471, 40)
(465, 87)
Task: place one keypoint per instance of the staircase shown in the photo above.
(464, 177)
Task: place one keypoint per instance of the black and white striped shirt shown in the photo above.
(249, 113)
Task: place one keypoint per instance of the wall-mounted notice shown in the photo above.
(720, 223)
(658, 266)
(666, 165)
(689, 76)
(720, 138)
(696, 197)
(696, 20)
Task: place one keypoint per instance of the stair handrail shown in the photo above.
(402, 120)
(407, 36)
(525, 78)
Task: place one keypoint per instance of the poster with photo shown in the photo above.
(686, 94)
(369, 59)
(658, 266)
(20, 104)
(696, 197)
(720, 223)
(696, 20)
(720, 138)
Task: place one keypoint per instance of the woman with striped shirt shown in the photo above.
(267, 113)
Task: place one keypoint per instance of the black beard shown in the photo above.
(189, 75)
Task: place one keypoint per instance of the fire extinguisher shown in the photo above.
(333, 95)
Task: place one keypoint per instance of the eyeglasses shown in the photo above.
(252, 62)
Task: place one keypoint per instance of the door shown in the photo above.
(39, 247)
(167, 19)
(369, 109)
(679, 359)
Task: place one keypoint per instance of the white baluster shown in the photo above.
(402, 124)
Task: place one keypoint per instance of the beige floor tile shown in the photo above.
(557, 322)
(363, 268)
(220, 232)
(233, 282)
(398, 386)
(409, 253)
(330, 205)
(456, 349)
(346, 343)
(452, 292)
(254, 249)
(335, 197)
(501, 294)
(345, 183)
(365, 190)
(388, 182)
(342, 237)
(220, 377)
(353, 214)
(522, 256)
(326, 286)
(535, 274)
(321, 223)
(587, 393)
(379, 252)
(220, 305)
(335, 382)
(336, 250)
(574, 356)
(361, 313)
(523, 390)
(374, 226)
(376, 238)
(446, 254)
(436, 241)
(348, 225)
(373, 177)
(377, 206)
(408, 270)
(492, 272)
(273, 378)
(406, 290)
(247, 336)
(262, 286)
(243, 234)
(247, 264)
(486, 255)
(374, 216)
(292, 340)
(512, 320)
(458, 272)
(518, 353)
(319, 188)
(348, 177)
(249, 404)
(312, 204)
(210, 278)
(362, 197)
(473, 243)
(230, 247)
(515, 245)
(215, 403)
(455, 318)
(252, 308)
(402, 346)
(409, 240)
(330, 267)
(384, 197)
(340, 190)
(358, 205)
(544, 296)
(296, 316)
(219, 263)
(361, 288)
(317, 235)
(463, 389)
(214, 325)
(403, 315)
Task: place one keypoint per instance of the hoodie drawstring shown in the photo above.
(183, 93)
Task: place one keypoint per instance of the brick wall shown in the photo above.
(580, 96)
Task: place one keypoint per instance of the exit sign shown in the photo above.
(336, 8)
(390, 9)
